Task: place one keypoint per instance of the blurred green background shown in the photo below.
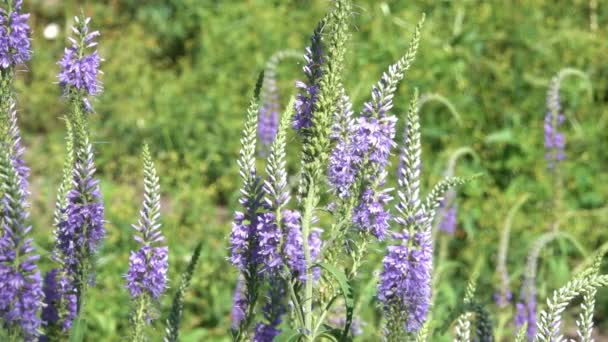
(178, 74)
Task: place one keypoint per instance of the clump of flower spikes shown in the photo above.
(20, 280)
(257, 234)
(147, 274)
(358, 161)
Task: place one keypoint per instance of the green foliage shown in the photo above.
(175, 75)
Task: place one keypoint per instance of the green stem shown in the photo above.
(139, 319)
(306, 222)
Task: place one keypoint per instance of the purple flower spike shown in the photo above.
(449, 219)
(81, 229)
(79, 70)
(309, 91)
(405, 282)
(148, 266)
(14, 35)
(20, 280)
(526, 312)
(268, 123)
(555, 142)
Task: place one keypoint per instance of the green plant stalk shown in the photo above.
(309, 205)
(139, 319)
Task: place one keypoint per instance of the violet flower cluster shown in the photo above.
(405, 287)
(448, 213)
(555, 142)
(79, 70)
(14, 35)
(308, 91)
(362, 152)
(20, 280)
(268, 123)
(81, 230)
(405, 282)
(147, 275)
(61, 304)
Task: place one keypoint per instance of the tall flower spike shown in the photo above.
(66, 180)
(243, 237)
(79, 69)
(405, 281)
(14, 35)
(275, 187)
(384, 91)
(268, 122)
(555, 142)
(20, 280)
(17, 150)
(147, 274)
(81, 229)
(550, 318)
(504, 295)
(373, 141)
(269, 228)
(316, 145)
(308, 92)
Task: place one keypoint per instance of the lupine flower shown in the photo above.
(14, 35)
(81, 229)
(78, 69)
(148, 266)
(60, 300)
(20, 280)
(555, 141)
(308, 92)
